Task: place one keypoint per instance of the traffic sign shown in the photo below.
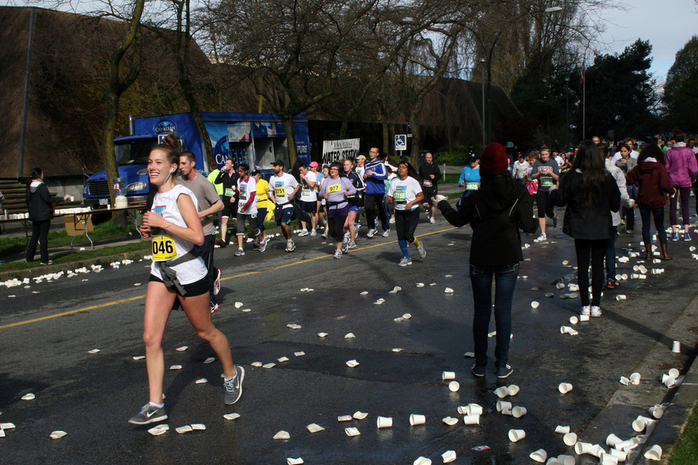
(400, 142)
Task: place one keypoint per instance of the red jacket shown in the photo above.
(654, 184)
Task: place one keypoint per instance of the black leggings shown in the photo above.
(39, 234)
(336, 227)
(596, 250)
(373, 201)
(406, 223)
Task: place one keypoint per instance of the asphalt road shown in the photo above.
(47, 329)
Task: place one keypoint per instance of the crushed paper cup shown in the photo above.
(292, 461)
(492, 334)
(314, 428)
(448, 290)
(182, 349)
(406, 316)
(29, 396)
(635, 378)
(503, 405)
(549, 295)
(364, 293)
(448, 456)
(348, 336)
(299, 353)
(93, 351)
(184, 429)
(674, 373)
(344, 418)
(321, 334)
(231, 416)
(419, 284)
(209, 360)
(469, 355)
(239, 304)
(453, 386)
(622, 455)
(201, 381)
(566, 459)
(597, 451)
(352, 363)
(159, 429)
(60, 434)
(256, 364)
(359, 415)
(450, 421)
(379, 301)
(397, 350)
(540, 455)
(138, 357)
(515, 435)
(293, 326)
(282, 435)
(535, 304)
(655, 453)
(282, 359)
(471, 419)
(198, 427)
(269, 365)
(4, 426)
(422, 461)
(395, 290)
(570, 439)
(562, 429)
(351, 432)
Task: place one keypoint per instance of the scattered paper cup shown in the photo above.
(566, 459)
(674, 373)
(314, 428)
(584, 317)
(280, 436)
(564, 388)
(570, 439)
(676, 348)
(60, 434)
(292, 461)
(581, 448)
(515, 435)
(453, 386)
(231, 416)
(513, 389)
(450, 421)
(471, 419)
(384, 422)
(474, 409)
(539, 456)
(503, 405)
(351, 432)
(501, 392)
(344, 418)
(448, 456)
(535, 304)
(562, 429)
(657, 411)
(29, 396)
(655, 453)
(622, 455)
(574, 320)
(352, 363)
(612, 440)
(422, 461)
(416, 419)
(448, 375)
(518, 412)
(159, 429)
(635, 378)
(641, 422)
(621, 297)
(624, 381)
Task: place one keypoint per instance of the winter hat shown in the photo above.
(494, 159)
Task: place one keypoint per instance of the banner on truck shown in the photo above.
(333, 150)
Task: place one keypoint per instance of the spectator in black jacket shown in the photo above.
(495, 212)
(590, 194)
(41, 206)
(430, 174)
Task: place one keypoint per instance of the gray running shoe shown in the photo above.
(386, 233)
(351, 245)
(240, 253)
(290, 246)
(371, 233)
(337, 254)
(345, 247)
(420, 249)
(263, 246)
(149, 414)
(233, 387)
(405, 262)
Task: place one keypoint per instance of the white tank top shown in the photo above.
(166, 206)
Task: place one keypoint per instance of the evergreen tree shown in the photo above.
(681, 88)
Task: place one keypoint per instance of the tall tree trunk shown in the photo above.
(287, 122)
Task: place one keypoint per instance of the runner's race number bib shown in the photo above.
(280, 191)
(400, 194)
(427, 183)
(229, 192)
(334, 188)
(163, 248)
(472, 186)
(546, 181)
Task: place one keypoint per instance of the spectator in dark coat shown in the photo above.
(41, 206)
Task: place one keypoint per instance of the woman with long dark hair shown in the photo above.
(590, 194)
(41, 205)
(495, 212)
(655, 184)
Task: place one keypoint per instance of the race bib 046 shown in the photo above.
(163, 248)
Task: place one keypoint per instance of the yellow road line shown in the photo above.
(250, 273)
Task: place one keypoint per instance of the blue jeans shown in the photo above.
(505, 282)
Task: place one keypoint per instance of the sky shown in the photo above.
(667, 24)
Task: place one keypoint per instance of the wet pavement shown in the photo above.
(46, 331)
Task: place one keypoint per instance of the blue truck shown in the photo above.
(253, 138)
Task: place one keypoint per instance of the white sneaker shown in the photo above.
(290, 246)
(420, 249)
(386, 233)
(371, 233)
(303, 233)
(240, 253)
(392, 221)
(543, 237)
(347, 235)
(313, 233)
(438, 198)
(432, 220)
(405, 262)
(595, 311)
(357, 226)
(586, 310)
(351, 245)
(337, 254)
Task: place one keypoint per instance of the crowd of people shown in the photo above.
(591, 182)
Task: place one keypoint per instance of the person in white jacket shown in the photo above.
(626, 201)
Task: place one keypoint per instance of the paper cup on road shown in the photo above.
(608, 459)
(612, 440)
(566, 459)
(582, 448)
(448, 456)
(453, 386)
(501, 392)
(597, 451)
(621, 297)
(657, 411)
(416, 419)
(574, 320)
(668, 381)
(503, 405)
(535, 304)
(640, 423)
(564, 388)
(584, 317)
(635, 378)
(474, 409)
(515, 435)
(655, 453)
(674, 373)
(518, 412)
(422, 461)
(351, 432)
(446, 375)
(471, 419)
(570, 439)
(450, 421)
(624, 381)
(562, 429)
(384, 422)
(676, 348)
(539, 456)
(622, 455)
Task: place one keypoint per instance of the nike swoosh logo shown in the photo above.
(150, 414)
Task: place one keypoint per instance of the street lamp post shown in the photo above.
(567, 111)
(482, 119)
